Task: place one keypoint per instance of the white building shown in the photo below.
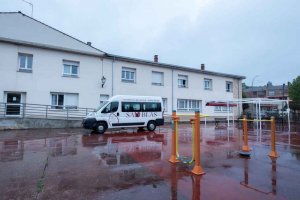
(42, 65)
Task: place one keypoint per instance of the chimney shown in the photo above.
(202, 66)
(155, 58)
(89, 43)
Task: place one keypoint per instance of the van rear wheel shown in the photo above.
(151, 126)
(101, 127)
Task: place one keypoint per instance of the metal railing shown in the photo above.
(26, 110)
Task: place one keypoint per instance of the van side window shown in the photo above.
(131, 107)
(112, 107)
(151, 107)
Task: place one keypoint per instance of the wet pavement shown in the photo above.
(126, 164)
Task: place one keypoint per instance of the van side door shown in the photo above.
(130, 114)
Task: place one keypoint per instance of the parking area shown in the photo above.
(126, 164)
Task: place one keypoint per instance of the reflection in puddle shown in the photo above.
(119, 149)
(11, 150)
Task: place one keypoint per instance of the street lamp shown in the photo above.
(252, 83)
(103, 80)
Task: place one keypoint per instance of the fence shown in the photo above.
(25, 110)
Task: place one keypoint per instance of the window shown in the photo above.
(71, 68)
(182, 81)
(188, 105)
(64, 101)
(103, 98)
(128, 74)
(131, 107)
(271, 93)
(157, 78)
(222, 109)
(207, 84)
(110, 108)
(229, 86)
(165, 104)
(151, 107)
(25, 62)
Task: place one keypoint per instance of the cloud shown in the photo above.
(246, 37)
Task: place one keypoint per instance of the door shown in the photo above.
(110, 112)
(131, 114)
(13, 106)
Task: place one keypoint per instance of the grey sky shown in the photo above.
(243, 37)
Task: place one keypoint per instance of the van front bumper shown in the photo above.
(89, 123)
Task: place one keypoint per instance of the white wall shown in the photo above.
(47, 77)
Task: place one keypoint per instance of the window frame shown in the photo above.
(128, 70)
(188, 105)
(63, 106)
(165, 104)
(183, 77)
(71, 64)
(230, 83)
(26, 68)
(222, 109)
(271, 93)
(162, 78)
(210, 83)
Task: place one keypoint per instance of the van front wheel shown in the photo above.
(101, 127)
(151, 126)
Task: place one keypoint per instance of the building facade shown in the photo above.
(41, 65)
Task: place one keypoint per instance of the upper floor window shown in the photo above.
(71, 68)
(64, 101)
(207, 84)
(182, 81)
(229, 86)
(128, 74)
(157, 78)
(25, 62)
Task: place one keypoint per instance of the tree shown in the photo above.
(294, 94)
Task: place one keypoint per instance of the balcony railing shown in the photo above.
(25, 110)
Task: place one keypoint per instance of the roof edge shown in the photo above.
(43, 46)
(140, 61)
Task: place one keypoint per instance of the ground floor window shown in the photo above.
(103, 99)
(165, 104)
(189, 105)
(223, 109)
(64, 101)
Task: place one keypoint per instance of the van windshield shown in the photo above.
(101, 106)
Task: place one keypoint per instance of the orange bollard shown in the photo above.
(245, 147)
(198, 170)
(173, 158)
(273, 153)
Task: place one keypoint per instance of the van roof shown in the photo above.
(134, 98)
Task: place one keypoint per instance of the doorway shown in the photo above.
(13, 106)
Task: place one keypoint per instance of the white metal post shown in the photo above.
(259, 115)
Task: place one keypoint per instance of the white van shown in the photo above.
(123, 111)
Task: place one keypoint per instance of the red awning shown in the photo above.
(213, 103)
